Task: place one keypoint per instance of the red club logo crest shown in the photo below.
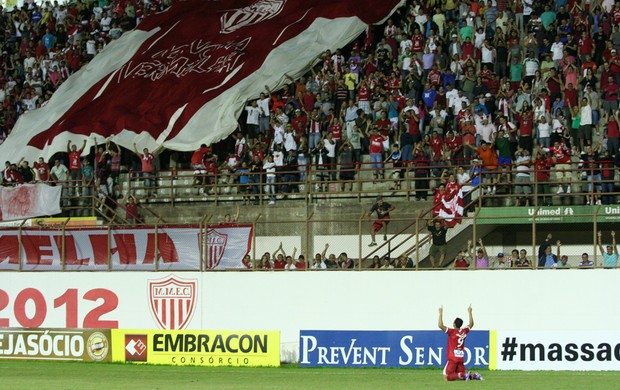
(216, 245)
(172, 301)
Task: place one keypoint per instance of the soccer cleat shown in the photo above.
(372, 244)
(477, 377)
(560, 190)
(467, 376)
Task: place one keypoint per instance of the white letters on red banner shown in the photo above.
(178, 248)
(28, 201)
(194, 64)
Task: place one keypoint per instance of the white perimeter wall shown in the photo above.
(341, 300)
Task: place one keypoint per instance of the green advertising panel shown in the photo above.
(549, 214)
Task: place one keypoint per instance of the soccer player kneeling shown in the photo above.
(455, 369)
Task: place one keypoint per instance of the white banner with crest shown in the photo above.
(227, 245)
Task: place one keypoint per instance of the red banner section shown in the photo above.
(167, 248)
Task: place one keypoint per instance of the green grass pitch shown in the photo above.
(48, 375)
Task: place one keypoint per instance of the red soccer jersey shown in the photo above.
(43, 169)
(417, 43)
(376, 144)
(526, 124)
(74, 160)
(586, 45)
(570, 97)
(414, 127)
(616, 14)
(561, 154)
(147, 162)
(336, 132)
(363, 94)
(436, 145)
(198, 156)
(455, 144)
(456, 343)
(384, 126)
(612, 129)
(300, 124)
(434, 77)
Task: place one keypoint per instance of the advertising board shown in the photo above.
(201, 348)
(55, 344)
(419, 348)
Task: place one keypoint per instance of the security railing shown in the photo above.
(564, 214)
(326, 243)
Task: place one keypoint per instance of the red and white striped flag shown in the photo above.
(182, 77)
(451, 205)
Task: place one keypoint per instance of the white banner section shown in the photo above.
(28, 201)
(177, 248)
(557, 350)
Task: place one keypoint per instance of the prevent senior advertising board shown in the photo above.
(419, 348)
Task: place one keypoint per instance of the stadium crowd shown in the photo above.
(519, 89)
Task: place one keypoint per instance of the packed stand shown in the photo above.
(505, 93)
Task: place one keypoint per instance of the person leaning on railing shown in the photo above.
(460, 262)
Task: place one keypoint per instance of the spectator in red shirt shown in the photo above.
(613, 133)
(43, 170)
(148, 167)
(75, 167)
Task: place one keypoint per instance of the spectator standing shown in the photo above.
(522, 178)
(75, 167)
(269, 167)
(148, 168)
(382, 209)
(610, 256)
(132, 214)
(438, 249)
(59, 175)
(481, 257)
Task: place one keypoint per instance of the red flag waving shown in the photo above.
(182, 76)
(450, 205)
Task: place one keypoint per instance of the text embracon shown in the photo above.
(203, 348)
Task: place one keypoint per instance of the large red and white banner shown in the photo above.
(196, 63)
(177, 248)
(28, 201)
